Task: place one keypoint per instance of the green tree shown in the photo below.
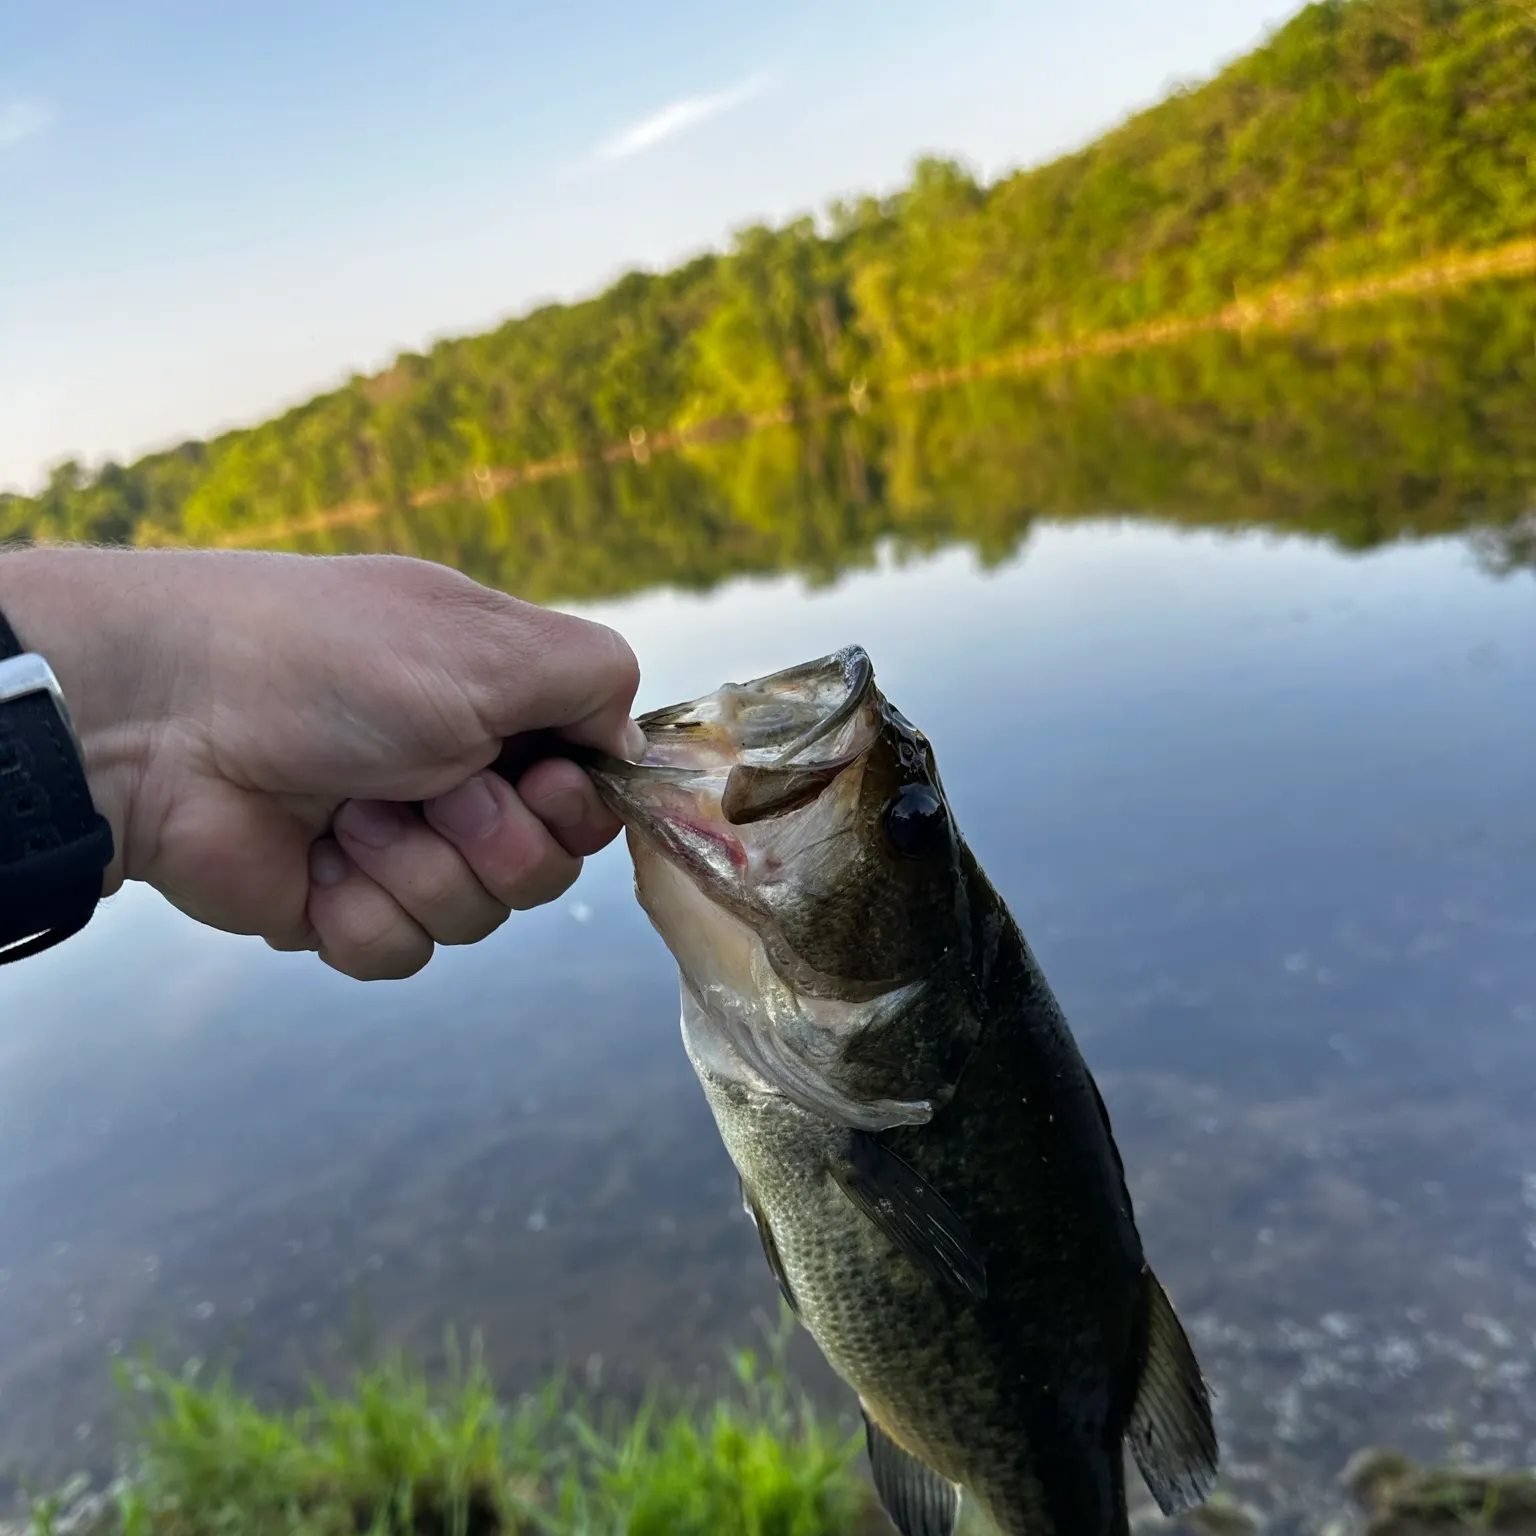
(1364, 135)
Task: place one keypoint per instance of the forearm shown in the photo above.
(94, 616)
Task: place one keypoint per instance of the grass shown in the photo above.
(1458, 1500)
(394, 1456)
(397, 1456)
(1402, 1498)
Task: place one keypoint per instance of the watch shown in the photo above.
(54, 844)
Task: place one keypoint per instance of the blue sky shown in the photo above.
(209, 210)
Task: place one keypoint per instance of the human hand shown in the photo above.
(256, 728)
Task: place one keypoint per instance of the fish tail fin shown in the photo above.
(1171, 1432)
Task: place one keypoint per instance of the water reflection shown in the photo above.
(1265, 813)
(1396, 420)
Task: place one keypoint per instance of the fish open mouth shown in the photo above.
(745, 753)
(790, 719)
(755, 749)
(720, 856)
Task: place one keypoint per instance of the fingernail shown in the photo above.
(328, 865)
(374, 823)
(564, 808)
(470, 811)
(635, 743)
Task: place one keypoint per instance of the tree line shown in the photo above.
(1364, 135)
(1405, 420)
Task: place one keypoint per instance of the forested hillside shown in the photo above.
(1364, 427)
(1365, 135)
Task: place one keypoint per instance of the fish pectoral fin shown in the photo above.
(912, 1213)
(918, 1500)
(770, 1248)
(1171, 1433)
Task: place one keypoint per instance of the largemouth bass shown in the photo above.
(926, 1157)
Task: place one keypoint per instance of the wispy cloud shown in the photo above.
(675, 118)
(20, 118)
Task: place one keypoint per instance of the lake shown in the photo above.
(1229, 659)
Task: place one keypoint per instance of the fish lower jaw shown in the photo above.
(705, 852)
(713, 832)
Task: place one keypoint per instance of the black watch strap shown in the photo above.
(54, 844)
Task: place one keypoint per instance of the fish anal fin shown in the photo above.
(918, 1501)
(770, 1248)
(1171, 1433)
(916, 1218)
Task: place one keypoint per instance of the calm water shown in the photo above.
(1266, 812)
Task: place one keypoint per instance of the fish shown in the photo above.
(921, 1146)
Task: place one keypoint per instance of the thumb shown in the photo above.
(554, 671)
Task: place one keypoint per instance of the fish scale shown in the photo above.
(925, 1154)
(952, 1381)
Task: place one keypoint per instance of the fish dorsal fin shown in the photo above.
(918, 1500)
(912, 1213)
(770, 1248)
(1171, 1433)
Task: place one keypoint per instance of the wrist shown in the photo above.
(88, 617)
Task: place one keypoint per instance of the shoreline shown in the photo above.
(1275, 309)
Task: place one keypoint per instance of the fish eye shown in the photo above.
(916, 822)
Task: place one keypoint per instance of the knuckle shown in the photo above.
(537, 870)
(513, 858)
(440, 883)
(291, 935)
(605, 654)
(370, 928)
(404, 963)
(374, 942)
(481, 926)
(290, 943)
(544, 885)
(462, 600)
(623, 664)
(392, 959)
